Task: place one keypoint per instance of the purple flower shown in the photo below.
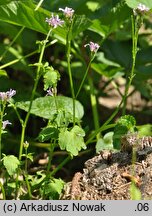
(5, 123)
(54, 21)
(68, 12)
(49, 92)
(5, 96)
(93, 46)
(141, 9)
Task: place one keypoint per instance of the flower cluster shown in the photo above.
(93, 46)
(26, 144)
(5, 123)
(54, 21)
(141, 9)
(68, 12)
(5, 96)
(49, 92)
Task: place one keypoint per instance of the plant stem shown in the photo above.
(26, 56)
(3, 105)
(60, 165)
(3, 191)
(17, 113)
(135, 29)
(26, 174)
(85, 75)
(55, 99)
(52, 145)
(105, 125)
(39, 5)
(18, 34)
(38, 74)
(68, 46)
(15, 38)
(94, 105)
(28, 186)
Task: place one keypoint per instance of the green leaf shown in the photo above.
(135, 192)
(99, 28)
(72, 141)
(80, 24)
(105, 143)
(124, 124)
(2, 2)
(107, 71)
(45, 107)
(135, 3)
(128, 121)
(23, 14)
(78, 131)
(92, 5)
(48, 133)
(37, 180)
(51, 77)
(11, 164)
(3, 73)
(28, 156)
(54, 188)
(119, 131)
(112, 20)
(144, 130)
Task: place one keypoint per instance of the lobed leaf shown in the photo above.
(124, 124)
(72, 141)
(48, 133)
(51, 77)
(45, 107)
(54, 188)
(105, 143)
(11, 164)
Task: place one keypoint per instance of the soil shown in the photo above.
(115, 176)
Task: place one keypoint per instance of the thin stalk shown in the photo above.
(105, 125)
(26, 56)
(28, 186)
(33, 94)
(3, 105)
(68, 56)
(26, 174)
(55, 99)
(116, 87)
(17, 113)
(39, 5)
(66, 160)
(3, 191)
(24, 124)
(134, 158)
(135, 29)
(15, 38)
(92, 94)
(52, 145)
(26, 160)
(94, 106)
(18, 34)
(85, 75)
